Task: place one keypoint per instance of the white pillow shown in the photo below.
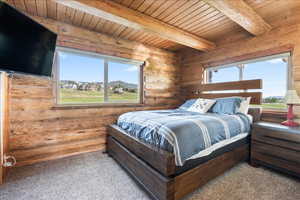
(202, 105)
(244, 107)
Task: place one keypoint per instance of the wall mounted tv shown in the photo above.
(25, 45)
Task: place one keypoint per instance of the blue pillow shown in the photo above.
(187, 104)
(227, 105)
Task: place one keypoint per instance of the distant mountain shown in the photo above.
(122, 84)
(77, 84)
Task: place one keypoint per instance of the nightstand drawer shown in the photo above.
(276, 146)
(278, 138)
(289, 155)
(277, 162)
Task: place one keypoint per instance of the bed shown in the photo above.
(169, 170)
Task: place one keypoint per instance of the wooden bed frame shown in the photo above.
(155, 170)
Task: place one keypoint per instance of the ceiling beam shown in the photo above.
(241, 13)
(117, 13)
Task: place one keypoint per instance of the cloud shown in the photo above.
(275, 61)
(131, 69)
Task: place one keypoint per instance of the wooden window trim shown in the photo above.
(56, 80)
(96, 105)
(273, 116)
(250, 56)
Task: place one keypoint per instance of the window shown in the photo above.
(225, 74)
(273, 70)
(88, 78)
(123, 79)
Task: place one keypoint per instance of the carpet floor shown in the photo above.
(95, 176)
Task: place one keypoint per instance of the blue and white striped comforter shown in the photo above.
(187, 134)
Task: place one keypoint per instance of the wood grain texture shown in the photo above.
(234, 85)
(276, 117)
(238, 47)
(130, 18)
(276, 136)
(196, 90)
(193, 16)
(276, 146)
(241, 13)
(4, 126)
(138, 160)
(40, 131)
(161, 160)
(253, 55)
(191, 180)
(162, 75)
(256, 97)
(157, 185)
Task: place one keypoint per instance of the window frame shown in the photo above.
(106, 59)
(241, 66)
(208, 70)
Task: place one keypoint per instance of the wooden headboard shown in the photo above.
(204, 90)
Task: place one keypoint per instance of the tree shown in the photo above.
(271, 100)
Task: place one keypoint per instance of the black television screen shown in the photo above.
(25, 45)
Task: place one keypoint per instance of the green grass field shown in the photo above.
(71, 96)
(277, 106)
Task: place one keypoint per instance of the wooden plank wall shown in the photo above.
(4, 124)
(39, 131)
(236, 47)
(198, 90)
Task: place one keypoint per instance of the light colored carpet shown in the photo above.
(95, 176)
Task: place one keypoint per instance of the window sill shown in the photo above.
(276, 116)
(276, 111)
(270, 110)
(87, 106)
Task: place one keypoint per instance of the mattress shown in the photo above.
(188, 135)
(189, 164)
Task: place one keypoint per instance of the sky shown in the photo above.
(89, 69)
(273, 72)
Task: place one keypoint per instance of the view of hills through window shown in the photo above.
(82, 80)
(273, 73)
(274, 76)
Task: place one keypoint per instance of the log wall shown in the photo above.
(237, 47)
(41, 131)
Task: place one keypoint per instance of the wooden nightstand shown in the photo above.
(276, 146)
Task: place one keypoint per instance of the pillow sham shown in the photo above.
(187, 104)
(244, 107)
(228, 105)
(201, 105)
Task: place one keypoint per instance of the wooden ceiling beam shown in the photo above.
(241, 13)
(122, 15)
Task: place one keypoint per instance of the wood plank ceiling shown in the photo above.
(194, 16)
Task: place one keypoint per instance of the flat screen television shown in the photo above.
(25, 45)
